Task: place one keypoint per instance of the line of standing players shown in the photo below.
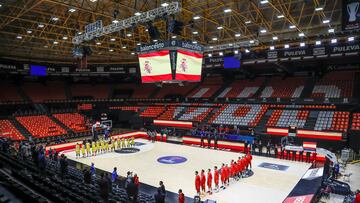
(235, 171)
(92, 148)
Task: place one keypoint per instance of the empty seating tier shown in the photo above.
(74, 121)
(242, 89)
(332, 121)
(174, 89)
(196, 114)
(9, 93)
(286, 118)
(283, 88)
(334, 85)
(355, 122)
(99, 91)
(41, 92)
(41, 126)
(152, 111)
(8, 130)
(239, 114)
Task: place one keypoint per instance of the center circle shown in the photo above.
(127, 150)
(172, 159)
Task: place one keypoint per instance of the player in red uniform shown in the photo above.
(227, 174)
(197, 183)
(209, 181)
(223, 176)
(181, 197)
(250, 159)
(233, 170)
(238, 164)
(202, 180)
(216, 178)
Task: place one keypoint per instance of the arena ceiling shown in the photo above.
(42, 29)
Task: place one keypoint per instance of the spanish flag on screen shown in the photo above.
(155, 66)
(188, 66)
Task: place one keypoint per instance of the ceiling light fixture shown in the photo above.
(333, 41)
(137, 14)
(264, 2)
(228, 10)
(332, 30)
(350, 39)
(286, 46)
(196, 17)
(237, 35)
(64, 37)
(301, 34)
(326, 21)
(247, 50)
(164, 4)
(318, 42)
(275, 38)
(302, 44)
(319, 9)
(272, 47)
(72, 10)
(280, 16)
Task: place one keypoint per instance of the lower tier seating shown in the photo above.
(239, 114)
(74, 121)
(332, 121)
(285, 118)
(41, 126)
(8, 130)
(152, 111)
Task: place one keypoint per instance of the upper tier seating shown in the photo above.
(74, 121)
(283, 88)
(334, 85)
(174, 89)
(208, 88)
(39, 92)
(196, 114)
(332, 121)
(239, 114)
(286, 118)
(8, 130)
(242, 89)
(355, 122)
(9, 93)
(98, 91)
(152, 111)
(41, 126)
(143, 91)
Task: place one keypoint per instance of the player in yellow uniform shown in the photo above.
(77, 150)
(123, 143)
(106, 146)
(113, 145)
(128, 142)
(102, 146)
(88, 149)
(83, 150)
(118, 143)
(93, 148)
(132, 141)
(98, 147)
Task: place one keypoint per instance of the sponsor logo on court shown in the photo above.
(127, 150)
(273, 166)
(172, 159)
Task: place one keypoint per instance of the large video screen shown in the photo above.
(231, 62)
(36, 70)
(188, 66)
(155, 66)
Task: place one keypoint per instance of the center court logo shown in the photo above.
(172, 159)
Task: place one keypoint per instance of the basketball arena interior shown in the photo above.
(153, 101)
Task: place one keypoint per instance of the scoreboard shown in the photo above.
(170, 61)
